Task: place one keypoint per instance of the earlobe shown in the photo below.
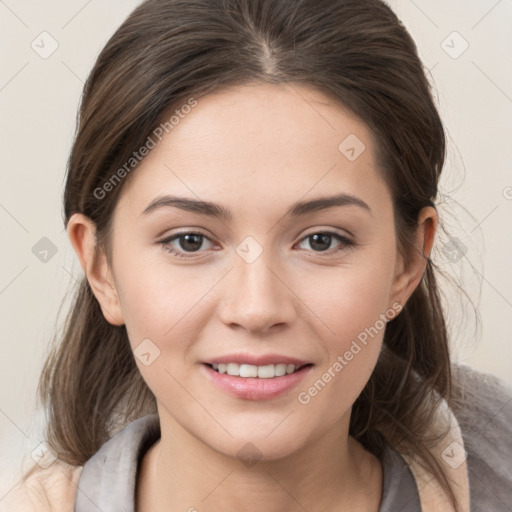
(407, 278)
(82, 235)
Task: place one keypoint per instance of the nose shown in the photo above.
(257, 296)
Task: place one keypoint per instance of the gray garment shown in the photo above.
(486, 425)
(107, 482)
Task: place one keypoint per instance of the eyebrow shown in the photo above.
(218, 211)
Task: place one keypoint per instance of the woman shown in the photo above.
(251, 194)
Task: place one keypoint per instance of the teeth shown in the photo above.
(281, 369)
(233, 369)
(268, 371)
(248, 370)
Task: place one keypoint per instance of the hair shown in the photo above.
(166, 52)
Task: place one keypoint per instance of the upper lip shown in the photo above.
(261, 360)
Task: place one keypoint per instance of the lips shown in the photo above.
(256, 377)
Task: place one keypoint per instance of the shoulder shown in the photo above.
(109, 472)
(482, 400)
(483, 409)
(44, 490)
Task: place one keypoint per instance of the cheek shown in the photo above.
(159, 299)
(164, 312)
(353, 305)
(351, 298)
(351, 345)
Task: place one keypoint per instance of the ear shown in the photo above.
(408, 277)
(82, 234)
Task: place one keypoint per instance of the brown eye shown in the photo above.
(189, 242)
(321, 241)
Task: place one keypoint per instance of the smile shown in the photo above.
(268, 371)
(256, 382)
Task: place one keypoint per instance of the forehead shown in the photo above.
(256, 142)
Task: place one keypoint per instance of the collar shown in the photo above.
(450, 453)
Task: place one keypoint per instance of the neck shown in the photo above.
(334, 473)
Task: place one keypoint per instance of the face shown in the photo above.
(279, 279)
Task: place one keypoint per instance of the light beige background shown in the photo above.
(38, 102)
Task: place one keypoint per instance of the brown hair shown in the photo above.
(168, 51)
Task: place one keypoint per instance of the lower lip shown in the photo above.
(252, 388)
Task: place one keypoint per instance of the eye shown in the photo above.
(188, 242)
(321, 241)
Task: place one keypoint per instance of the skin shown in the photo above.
(255, 150)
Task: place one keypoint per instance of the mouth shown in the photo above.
(256, 382)
(268, 371)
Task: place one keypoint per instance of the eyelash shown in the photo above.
(345, 243)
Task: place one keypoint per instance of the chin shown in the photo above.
(256, 445)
